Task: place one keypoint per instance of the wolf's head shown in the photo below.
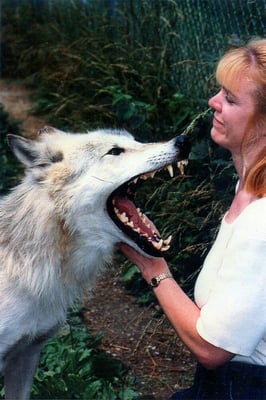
(92, 180)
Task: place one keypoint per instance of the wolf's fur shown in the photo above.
(56, 235)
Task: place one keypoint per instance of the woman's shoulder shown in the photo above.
(256, 208)
(253, 217)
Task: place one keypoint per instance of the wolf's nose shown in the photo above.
(183, 144)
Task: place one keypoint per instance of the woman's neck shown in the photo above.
(240, 165)
(241, 200)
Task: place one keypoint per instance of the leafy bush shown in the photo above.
(73, 367)
(111, 66)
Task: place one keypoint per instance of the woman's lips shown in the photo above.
(216, 122)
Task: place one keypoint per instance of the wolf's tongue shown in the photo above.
(133, 217)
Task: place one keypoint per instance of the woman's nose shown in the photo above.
(215, 103)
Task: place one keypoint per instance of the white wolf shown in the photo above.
(58, 229)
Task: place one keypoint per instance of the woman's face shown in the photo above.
(233, 111)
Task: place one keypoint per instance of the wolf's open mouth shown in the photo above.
(136, 225)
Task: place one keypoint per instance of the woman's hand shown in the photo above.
(149, 267)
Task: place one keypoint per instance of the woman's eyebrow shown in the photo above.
(228, 91)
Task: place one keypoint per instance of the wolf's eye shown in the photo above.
(115, 151)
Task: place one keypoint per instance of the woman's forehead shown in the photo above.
(236, 82)
(231, 69)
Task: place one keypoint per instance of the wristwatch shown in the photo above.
(157, 279)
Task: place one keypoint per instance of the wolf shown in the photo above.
(59, 228)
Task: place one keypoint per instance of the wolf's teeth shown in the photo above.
(155, 236)
(146, 236)
(144, 220)
(136, 230)
(139, 212)
(136, 180)
(165, 248)
(144, 177)
(148, 175)
(130, 224)
(170, 170)
(158, 245)
(168, 240)
(181, 166)
(123, 217)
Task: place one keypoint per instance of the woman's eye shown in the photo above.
(228, 96)
(115, 151)
(229, 99)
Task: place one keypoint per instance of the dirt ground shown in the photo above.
(146, 344)
(144, 341)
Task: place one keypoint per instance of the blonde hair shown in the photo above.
(249, 61)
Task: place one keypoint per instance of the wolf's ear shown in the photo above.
(24, 149)
(50, 130)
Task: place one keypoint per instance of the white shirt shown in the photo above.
(231, 288)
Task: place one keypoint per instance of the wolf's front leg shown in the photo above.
(20, 370)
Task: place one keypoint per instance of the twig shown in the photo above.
(194, 121)
(155, 365)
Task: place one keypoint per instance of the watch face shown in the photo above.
(154, 282)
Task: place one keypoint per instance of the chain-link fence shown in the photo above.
(195, 33)
(208, 29)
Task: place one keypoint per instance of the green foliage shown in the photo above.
(111, 66)
(10, 167)
(72, 366)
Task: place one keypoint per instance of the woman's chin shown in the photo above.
(216, 136)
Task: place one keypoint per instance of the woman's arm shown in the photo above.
(181, 311)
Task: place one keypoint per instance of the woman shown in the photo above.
(226, 326)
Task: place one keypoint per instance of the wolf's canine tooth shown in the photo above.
(181, 165)
(170, 170)
(168, 240)
(158, 245)
(165, 248)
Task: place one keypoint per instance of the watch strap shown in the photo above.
(157, 279)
